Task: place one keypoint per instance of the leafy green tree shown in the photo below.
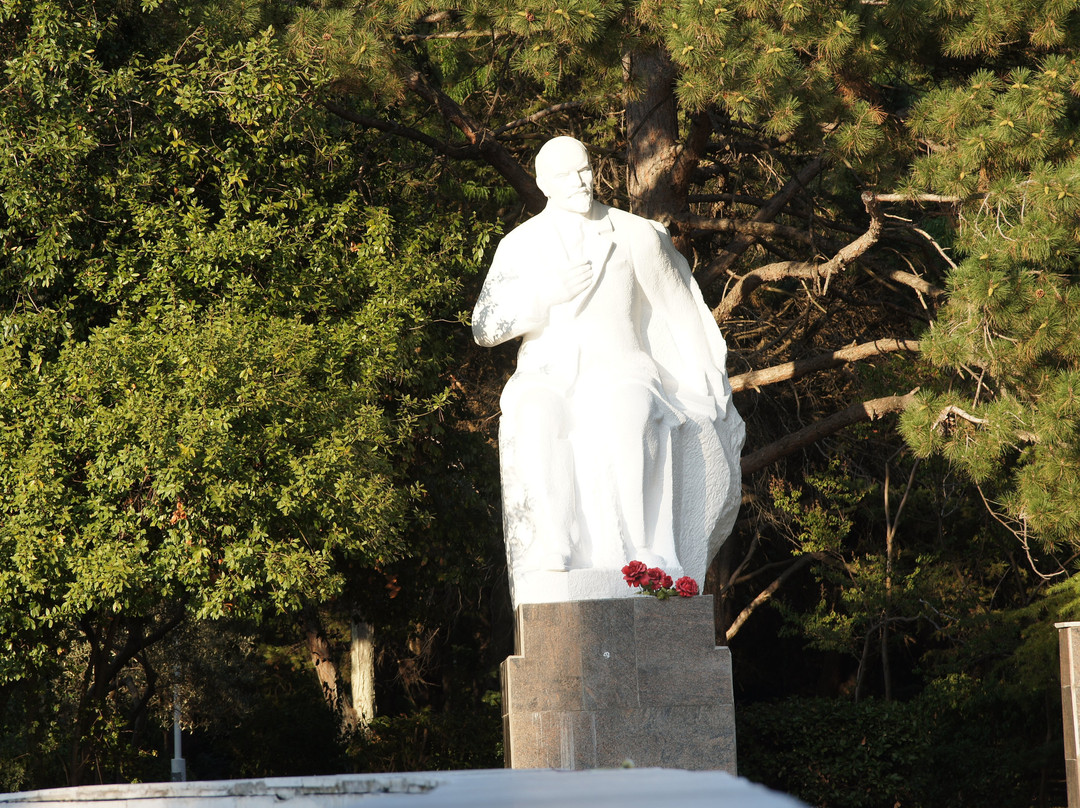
(216, 351)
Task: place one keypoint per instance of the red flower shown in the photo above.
(636, 574)
(656, 577)
(664, 580)
(686, 587)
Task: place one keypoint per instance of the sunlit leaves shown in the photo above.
(214, 347)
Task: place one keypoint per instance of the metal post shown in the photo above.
(179, 765)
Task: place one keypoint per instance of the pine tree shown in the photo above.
(841, 154)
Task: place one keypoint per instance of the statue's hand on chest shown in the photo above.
(563, 281)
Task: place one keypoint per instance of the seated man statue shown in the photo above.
(618, 438)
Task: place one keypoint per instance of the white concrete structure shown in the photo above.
(498, 788)
(618, 438)
(1069, 659)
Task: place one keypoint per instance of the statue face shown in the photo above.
(564, 175)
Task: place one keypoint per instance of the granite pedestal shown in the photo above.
(596, 682)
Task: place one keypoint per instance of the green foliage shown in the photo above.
(428, 741)
(217, 352)
(222, 351)
(1007, 338)
(932, 751)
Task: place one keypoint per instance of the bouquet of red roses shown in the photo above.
(654, 581)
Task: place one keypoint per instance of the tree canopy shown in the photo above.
(752, 129)
(215, 343)
(237, 239)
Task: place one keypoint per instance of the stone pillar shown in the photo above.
(596, 682)
(1069, 647)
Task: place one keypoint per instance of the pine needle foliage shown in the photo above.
(1006, 144)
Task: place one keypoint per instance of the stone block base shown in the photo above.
(597, 682)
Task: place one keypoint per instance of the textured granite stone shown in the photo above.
(596, 682)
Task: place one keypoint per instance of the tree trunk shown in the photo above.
(362, 657)
(652, 134)
(659, 164)
(322, 659)
(718, 579)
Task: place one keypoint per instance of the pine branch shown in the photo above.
(943, 423)
(482, 138)
(456, 150)
(436, 17)
(726, 257)
(536, 116)
(452, 35)
(919, 198)
(798, 269)
(856, 413)
(950, 412)
(756, 379)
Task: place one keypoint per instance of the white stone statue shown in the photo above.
(618, 438)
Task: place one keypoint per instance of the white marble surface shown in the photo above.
(618, 438)
(494, 788)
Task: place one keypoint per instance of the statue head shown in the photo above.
(564, 175)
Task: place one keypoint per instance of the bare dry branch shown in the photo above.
(738, 199)
(936, 246)
(746, 227)
(453, 35)
(952, 200)
(909, 279)
(803, 367)
(862, 411)
(848, 253)
(536, 116)
(766, 594)
(1020, 531)
(719, 265)
(734, 577)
